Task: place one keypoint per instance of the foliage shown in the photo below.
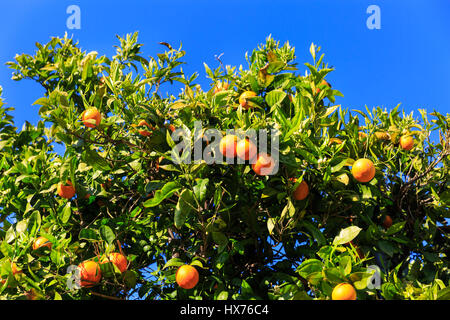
(245, 233)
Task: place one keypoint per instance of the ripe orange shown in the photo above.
(144, 132)
(118, 259)
(264, 164)
(343, 291)
(228, 145)
(66, 191)
(406, 142)
(363, 170)
(89, 115)
(243, 99)
(302, 191)
(41, 242)
(90, 273)
(246, 150)
(187, 276)
(387, 222)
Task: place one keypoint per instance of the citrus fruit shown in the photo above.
(41, 242)
(363, 170)
(90, 273)
(302, 191)
(187, 276)
(264, 164)
(243, 99)
(91, 117)
(66, 191)
(117, 259)
(228, 146)
(246, 150)
(406, 142)
(343, 291)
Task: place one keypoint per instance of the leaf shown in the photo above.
(275, 97)
(346, 235)
(395, 228)
(93, 159)
(386, 247)
(270, 225)
(223, 295)
(200, 189)
(309, 267)
(66, 213)
(315, 233)
(184, 207)
(174, 262)
(107, 234)
(219, 238)
(444, 294)
(345, 265)
(165, 192)
(88, 234)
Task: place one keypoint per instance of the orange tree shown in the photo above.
(116, 191)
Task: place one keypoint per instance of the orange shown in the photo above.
(118, 259)
(89, 115)
(343, 291)
(243, 99)
(228, 146)
(264, 164)
(90, 273)
(66, 191)
(144, 132)
(302, 191)
(387, 222)
(41, 242)
(246, 150)
(187, 276)
(171, 127)
(406, 142)
(363, 170)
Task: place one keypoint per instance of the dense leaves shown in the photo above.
(246, 235)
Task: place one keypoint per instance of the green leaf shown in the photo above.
(174, 262)
(309, 267)
(200, 189)
(165, 192)
(107, 234)
(93, 159)
(345, 265)
(219, 238)
(444, 294)
(320, 238)
(66, 213)
(185, 206)
(386, 247)
(88, 234)
(222, 295)
(275, 97)
(346, 235)
(395, 228)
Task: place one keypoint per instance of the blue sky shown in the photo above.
(406, 61)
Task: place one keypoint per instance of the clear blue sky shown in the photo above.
(407, 60)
